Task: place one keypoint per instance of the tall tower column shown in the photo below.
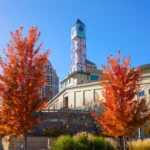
(78, 47)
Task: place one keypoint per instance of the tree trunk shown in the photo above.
(121, 143)
(95, 128)
(25, 139)
(125, 143)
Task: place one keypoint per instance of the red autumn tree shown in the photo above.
(21, 81)
(122, 114)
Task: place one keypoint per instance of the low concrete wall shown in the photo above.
(33, 143)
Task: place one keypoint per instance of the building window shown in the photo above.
(56, 90)
(90, 108)
(47, 78)
(62, 85)
(56, 81)
(66, 83)
(149, 91)
(50, 70)
(43, 92)
(140, 94)
(47, 71)
(96, 107)
(50, 96)
(47, 89)
(91, 66)
(66, 102)
(94, 77)
(46, 66)
(85, 109)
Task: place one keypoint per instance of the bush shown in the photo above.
(65, 142)
(52, 132)
(111, 144)
(97, 143)
(139, 144)
(83, 141)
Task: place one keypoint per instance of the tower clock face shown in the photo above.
(81, 30)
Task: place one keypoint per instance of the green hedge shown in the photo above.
(83, 141)
(52, 132)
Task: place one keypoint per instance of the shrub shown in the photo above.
(111, 144)
(83, 141)
(65, 143)
(52, 132)
(139, 144)
(97, 143)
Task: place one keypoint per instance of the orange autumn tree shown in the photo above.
(122, 114)
(21, 81)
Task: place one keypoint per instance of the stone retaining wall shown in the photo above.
(33, 143)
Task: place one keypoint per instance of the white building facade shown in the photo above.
(84, 96)
(81, 87)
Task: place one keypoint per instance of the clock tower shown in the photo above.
(78, 47)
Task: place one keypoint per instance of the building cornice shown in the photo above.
(72, 74)
(74, 87)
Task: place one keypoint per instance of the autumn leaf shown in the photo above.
(21, 80)
(122, 114)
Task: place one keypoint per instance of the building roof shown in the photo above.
(89, 62)
(79, 21)
(145, 66)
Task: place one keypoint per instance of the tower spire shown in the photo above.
(79, 21)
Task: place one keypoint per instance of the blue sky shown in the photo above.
(110, 25)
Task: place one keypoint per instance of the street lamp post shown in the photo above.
(48, 144)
